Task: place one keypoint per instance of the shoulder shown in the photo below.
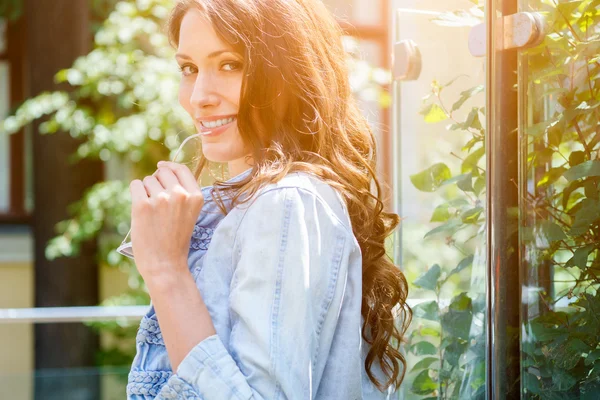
(299, 190)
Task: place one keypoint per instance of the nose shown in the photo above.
(204, 94)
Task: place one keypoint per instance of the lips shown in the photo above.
(213, 126)
(217, 123)
(213, 118)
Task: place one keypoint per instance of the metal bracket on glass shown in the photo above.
(406, 61)
(519, 31)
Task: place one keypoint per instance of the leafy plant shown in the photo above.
(561, 209)
(450, 339)
(560, 221)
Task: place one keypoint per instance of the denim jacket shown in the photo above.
(281, 277)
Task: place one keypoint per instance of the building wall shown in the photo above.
(17, 340)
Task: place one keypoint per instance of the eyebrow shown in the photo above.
(211, 55)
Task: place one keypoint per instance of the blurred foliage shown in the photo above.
(123, 104)
(11, 9)
(559, 215)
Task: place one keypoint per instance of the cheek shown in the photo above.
(184, 97)
(234, 90)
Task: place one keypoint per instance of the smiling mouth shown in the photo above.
(217, 123)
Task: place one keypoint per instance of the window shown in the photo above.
(15, 200)
(368, 22)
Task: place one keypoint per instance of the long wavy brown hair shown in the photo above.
(297, 113)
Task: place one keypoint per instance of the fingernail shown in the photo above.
(161, 163)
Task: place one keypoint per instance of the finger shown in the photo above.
(184, 175)
(167, 178)
(153, 186)
(138, 191)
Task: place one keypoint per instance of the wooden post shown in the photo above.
(58, 31)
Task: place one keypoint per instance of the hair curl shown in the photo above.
(306, 119)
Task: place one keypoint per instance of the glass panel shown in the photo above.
(560, 203)
(440, 189)
(101, 383)
(99, 375)
(357, 12)
(4, 139)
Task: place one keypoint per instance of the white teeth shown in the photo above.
(217, 123)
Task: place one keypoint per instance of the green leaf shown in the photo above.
(424, 363)
(580, 257)
(566, 8)
(543, 332)
(591, 189)
(432, 178)
(433, 113)
(532, 383)
(587, 214)
(471, 216)
(429, 332)
(583, 170)
(537, 130)
(423, 348)
(576, 158)
(464, 263)
(551, 176)
(472, 160)
(464, 96)
(457, 323)
(449, 227)
(466, 183)
(583, 108)
(428, 310)
(441, 213)
(563, 381)
(454, 179)
(472, 142)
(567, 354)
(592, 357)
(429, 279)
(479, 185)
(568, 190)
(472, 120)
(453, 351)
(552, 231)
(423, 384)
(461, 302)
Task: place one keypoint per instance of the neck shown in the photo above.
(238, 166)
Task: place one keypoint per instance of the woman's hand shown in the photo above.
(165, 207)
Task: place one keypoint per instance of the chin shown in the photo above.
(213, 152)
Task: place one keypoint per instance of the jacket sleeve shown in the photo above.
(290, 269)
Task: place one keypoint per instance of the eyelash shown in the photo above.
(234, 63)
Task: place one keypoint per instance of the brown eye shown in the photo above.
(187, 69)
(231, 66)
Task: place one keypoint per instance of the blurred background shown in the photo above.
(489, 149)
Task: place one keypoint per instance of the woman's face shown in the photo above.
(211, 81)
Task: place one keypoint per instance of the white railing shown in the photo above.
(70, 314)
(44, 315)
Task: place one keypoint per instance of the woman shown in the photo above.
(284, 290)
